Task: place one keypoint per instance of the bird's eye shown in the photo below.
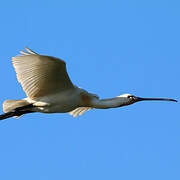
(130, 97)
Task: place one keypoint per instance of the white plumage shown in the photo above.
(49, 89)
(41, 75)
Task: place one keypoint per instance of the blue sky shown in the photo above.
(111, 48)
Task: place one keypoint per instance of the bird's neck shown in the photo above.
(109, 103)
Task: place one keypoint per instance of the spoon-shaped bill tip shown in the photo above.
(173, 100)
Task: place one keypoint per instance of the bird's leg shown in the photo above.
(17, 112)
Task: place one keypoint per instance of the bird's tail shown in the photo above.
(10, 105)
(15, 108)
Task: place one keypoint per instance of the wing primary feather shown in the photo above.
(79, 111)
(31, 51)
(82, 112)
(24, 53)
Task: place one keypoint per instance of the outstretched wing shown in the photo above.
(79, 111)
(41, 75)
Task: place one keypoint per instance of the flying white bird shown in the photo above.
(50, 90)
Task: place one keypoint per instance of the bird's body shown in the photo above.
(50, 90)
(62, 102)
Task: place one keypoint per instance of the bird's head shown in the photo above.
(128, 99)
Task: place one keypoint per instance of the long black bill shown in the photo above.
(155, 99)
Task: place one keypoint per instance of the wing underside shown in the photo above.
(79, 111)
(41, 75)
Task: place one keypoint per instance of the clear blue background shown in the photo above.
(111, 48)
